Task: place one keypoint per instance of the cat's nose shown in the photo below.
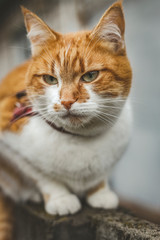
(68, 103)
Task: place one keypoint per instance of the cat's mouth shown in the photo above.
(70, 115)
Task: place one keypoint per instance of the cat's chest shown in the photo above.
(58, 153)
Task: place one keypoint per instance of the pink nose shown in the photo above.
(68, 103)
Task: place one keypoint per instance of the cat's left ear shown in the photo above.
(38, 31)
(111, 27)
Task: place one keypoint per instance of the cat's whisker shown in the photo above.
(106, 114)
(105, 104)
(105, 107)
(112, 100)
(39, 105)
(93, 107)
(106, 121)
(43, 109)
(108, 107)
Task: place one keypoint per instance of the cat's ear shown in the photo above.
(111, 27)
(38, 32)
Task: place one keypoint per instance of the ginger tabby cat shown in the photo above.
(65, 115)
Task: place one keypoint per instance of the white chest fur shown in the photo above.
(80, 162)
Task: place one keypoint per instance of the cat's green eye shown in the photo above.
(50, 79)
(90, 76)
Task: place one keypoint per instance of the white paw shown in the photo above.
(68, 204)
(104, 198)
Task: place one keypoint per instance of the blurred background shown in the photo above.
(136, 177)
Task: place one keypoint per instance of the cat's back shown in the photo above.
(14, 81)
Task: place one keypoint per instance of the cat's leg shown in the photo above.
(102, 197)
(58, 199)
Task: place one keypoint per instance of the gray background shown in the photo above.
(137, 176)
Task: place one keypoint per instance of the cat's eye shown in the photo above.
(90, 76)
(50, 79)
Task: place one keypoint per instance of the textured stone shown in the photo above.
(32, 223)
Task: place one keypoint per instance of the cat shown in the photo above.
(65, 116)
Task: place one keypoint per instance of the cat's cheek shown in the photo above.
(94, 97)
(52, 97)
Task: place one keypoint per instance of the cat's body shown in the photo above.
(80, 163)
(79, 83)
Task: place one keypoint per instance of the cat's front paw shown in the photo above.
(103, 198)
(68, 204)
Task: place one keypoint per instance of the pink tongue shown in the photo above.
(20, 112)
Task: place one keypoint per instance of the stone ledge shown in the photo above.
(32, 223)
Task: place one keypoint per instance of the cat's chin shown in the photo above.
(74, 120)
(73, 117)
(81, 125)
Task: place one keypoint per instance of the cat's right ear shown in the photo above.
(38, 31)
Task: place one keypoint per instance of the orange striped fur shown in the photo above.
(10, 85)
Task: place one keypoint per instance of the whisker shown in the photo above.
(106, 114)
(106, 121)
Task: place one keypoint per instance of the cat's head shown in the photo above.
(79, 81)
